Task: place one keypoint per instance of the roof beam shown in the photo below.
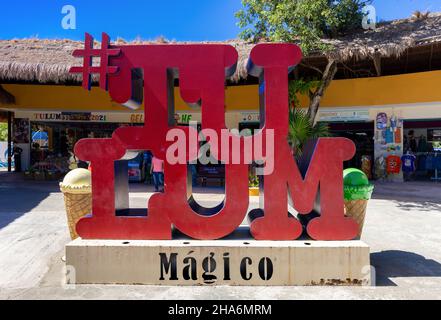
(5, 97)
(377, 63)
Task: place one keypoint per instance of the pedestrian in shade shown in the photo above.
(157, 170)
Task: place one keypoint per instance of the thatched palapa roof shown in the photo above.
(390, 39)
(48, 61)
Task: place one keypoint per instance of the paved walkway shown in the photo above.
(402, 227)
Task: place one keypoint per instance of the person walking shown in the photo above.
(147, 167)
(157, 170)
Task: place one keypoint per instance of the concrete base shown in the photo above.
(222, 262)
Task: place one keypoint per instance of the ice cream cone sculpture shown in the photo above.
(357, 192)
(77, 190)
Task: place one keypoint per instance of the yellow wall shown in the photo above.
(76, 98)
(44, 97)
(402, 89)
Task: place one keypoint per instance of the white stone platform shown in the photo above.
(221, 262)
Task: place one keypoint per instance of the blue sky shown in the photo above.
(196, 20)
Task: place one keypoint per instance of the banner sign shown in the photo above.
(250, 117)
(69, 116)
(344, 115)
(111, 117)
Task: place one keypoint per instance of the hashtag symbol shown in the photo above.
(88, 69)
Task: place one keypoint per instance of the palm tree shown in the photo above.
(301, 129)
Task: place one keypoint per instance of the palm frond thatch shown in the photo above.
(302, 129)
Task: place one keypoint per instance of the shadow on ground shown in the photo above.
(408, 191)
(397, 264)
(419, 206)
(143, 188)
(410, 196)
(19, 196)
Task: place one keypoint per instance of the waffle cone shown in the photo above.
(77, 206)
(356, 209)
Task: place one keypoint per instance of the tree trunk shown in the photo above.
(317, 95)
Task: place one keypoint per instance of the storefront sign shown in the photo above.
(185, 118)
(137, 118)
(111, 117)
(250, 117)
(181, 118)
(202, 70)
(69, 116)
(346, 115)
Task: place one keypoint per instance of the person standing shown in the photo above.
(64, 145)
(17, 151)
(157, 170)
(147, 167)
(412, 141)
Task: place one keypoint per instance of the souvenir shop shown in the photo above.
(388, 147)
(47, 139)
(357, 126)
(52, 140)
(362, 134)
(422, 139)
(393, 143)
(407, 149)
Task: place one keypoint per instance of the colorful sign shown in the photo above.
(129, 117)
(21, 130)
(69, 116)
(184, 118)
(381, 121)
(3, 154)
(344, 115)
(201, 70)
(250, 117)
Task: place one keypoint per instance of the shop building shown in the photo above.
(385, 95)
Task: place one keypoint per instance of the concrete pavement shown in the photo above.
(402, 227)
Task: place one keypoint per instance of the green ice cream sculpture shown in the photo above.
(357, 192)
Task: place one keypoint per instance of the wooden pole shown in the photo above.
(9, 141)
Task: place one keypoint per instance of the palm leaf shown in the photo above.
(302, 129)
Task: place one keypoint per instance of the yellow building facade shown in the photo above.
(414, 99)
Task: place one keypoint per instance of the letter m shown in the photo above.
(317, 184)
(169, 266)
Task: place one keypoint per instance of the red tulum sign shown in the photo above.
(315, 182)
